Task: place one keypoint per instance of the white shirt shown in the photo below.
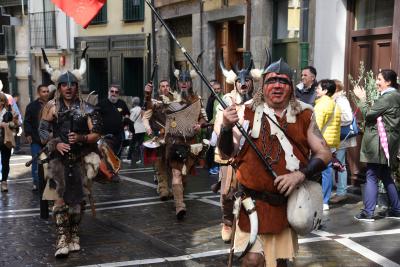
(136, 117)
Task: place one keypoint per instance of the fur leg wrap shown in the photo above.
(61, 218)
(180, 207)
(162, 178)
(74, 220)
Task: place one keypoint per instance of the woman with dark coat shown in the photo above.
(383, 118)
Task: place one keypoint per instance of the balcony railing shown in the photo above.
(43, 29)
(7, 3)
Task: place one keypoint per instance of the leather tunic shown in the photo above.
(252, 174)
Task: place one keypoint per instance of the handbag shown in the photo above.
(7, 117)
(349, 130)
(304, 207)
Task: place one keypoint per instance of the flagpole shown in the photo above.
(217, 97)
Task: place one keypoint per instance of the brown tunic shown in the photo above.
(252, 174)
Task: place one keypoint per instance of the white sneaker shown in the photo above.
(325, 207)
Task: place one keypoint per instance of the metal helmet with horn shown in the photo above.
(233, 75)
(187, 75)
(236, 74)
(257, 73)
(280, 67)
(68, 77)
(183, 75)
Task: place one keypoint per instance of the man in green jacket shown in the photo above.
(386, 107)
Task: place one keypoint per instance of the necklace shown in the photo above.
(271, 142)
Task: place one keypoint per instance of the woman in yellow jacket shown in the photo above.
(327, 115)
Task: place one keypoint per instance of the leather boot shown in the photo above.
(62, 228)
(4, 187)
(75, 220)
(162, 179)
(180, 207)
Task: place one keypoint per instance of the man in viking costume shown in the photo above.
(154, 123)
(242, 92)
(285, 132)
(70, 128)
(184, 117)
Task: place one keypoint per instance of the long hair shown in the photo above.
(4, 99)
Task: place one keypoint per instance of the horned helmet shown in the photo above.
(249, 72)
(279, 67)
(232, 76)
(185, 75)
(69, 77)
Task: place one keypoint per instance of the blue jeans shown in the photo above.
(35, 148)
(327, 182)
(341, 187)
(382, 171)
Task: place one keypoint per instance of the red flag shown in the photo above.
(82, 11)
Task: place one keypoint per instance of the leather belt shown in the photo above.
(274, 199)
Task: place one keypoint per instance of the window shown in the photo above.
(373, 14)
(101, 17)
(288, 19)
(43, 29)
(133, 10)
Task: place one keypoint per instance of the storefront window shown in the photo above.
(373, 14)
(288, 19)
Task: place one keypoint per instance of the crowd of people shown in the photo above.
(301, 132)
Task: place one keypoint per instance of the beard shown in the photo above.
(113, 99)
(184, 94)
(246, 97)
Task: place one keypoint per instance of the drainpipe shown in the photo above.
(248, 25)
(154, 49)
(201, 39)
(30, 82)
(304, 45)
(247, 52)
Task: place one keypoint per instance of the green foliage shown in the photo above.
(366, 80)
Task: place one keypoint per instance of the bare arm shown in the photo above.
(321, 156)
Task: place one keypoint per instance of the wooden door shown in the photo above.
(229, 40)
(375, 51)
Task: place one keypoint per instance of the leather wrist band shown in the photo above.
(83, 138)
(314, 166)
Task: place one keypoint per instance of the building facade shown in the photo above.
(119, 48)
(30, 26)
(350, 31)
(237, 29)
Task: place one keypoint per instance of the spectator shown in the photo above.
(327, 115)
(305, 91)
(17, 149)
(136, 147)
(382, 119)
(346, 119)
(8, 125)
(31, 128)
(211, 110)
(114, 113)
